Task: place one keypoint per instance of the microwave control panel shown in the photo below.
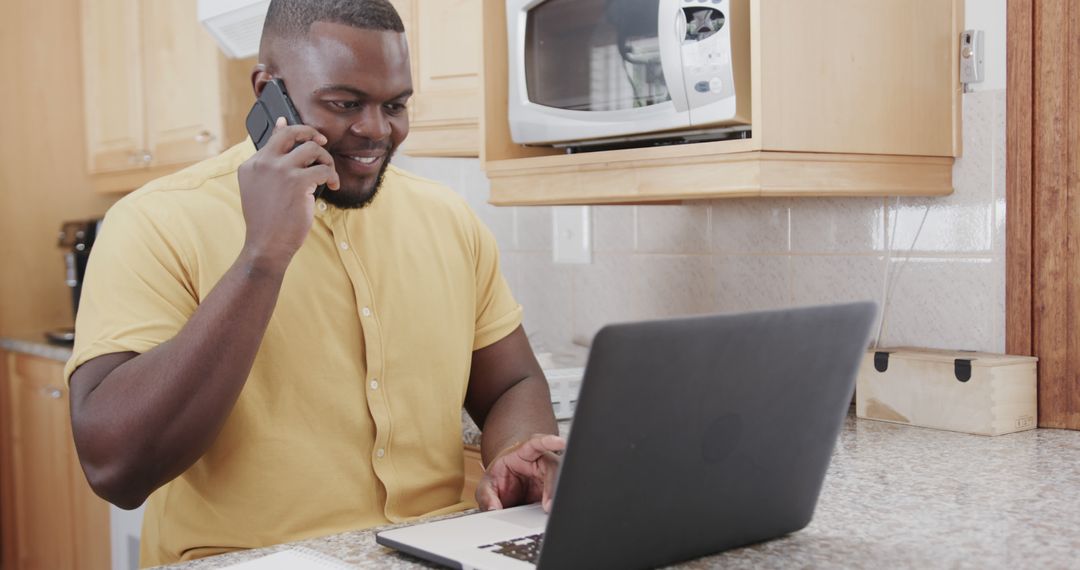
(706, 56)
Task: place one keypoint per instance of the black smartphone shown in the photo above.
(272, 103)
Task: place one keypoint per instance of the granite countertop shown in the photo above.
(895, 496)
(35, 345)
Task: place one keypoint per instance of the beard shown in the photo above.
(352, 198)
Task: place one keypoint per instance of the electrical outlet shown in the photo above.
(572, 237)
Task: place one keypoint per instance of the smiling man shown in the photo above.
(265, 366)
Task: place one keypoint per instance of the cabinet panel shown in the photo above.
(8, 558)
(448, 62)
(41, 451)
(182, 84)
(112, 82)
(879, 80)
(445, 43)
(51, 518)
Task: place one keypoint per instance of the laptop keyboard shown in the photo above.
(526, 548)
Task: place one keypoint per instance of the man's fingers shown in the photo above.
(308, 154)
(538, 445)
(286, 137)
(486, 496)
(322, 174)
(551, 477)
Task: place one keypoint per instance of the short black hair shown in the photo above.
(293, 18)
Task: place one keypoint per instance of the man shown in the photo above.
(268, 367)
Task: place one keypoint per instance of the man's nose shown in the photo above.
(372, 124)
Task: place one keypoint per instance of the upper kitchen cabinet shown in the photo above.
(838, 98)
(154, 97)
(445, 46)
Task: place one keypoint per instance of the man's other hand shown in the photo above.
(524, 473)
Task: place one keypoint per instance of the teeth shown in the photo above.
(367, 160)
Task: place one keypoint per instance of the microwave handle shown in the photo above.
(672, 24)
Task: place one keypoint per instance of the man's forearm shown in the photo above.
(521, 412)
(152, 417)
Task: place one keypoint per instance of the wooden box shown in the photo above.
(971, 392)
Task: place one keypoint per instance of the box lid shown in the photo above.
(983, 359)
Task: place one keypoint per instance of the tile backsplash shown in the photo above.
(944, 258)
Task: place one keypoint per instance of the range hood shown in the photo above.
(235, 24)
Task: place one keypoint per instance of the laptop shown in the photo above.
(691, 436)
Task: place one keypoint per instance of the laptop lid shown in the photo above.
(697, 435)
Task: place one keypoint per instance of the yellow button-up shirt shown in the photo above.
(350, 417)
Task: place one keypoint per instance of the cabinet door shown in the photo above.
(41, 445)
(59, 523)
(446, 106)
(182, 79)
(8, 559)
(113, 85)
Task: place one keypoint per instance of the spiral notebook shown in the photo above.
(293, 559)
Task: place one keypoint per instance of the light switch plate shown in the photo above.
(572, 234)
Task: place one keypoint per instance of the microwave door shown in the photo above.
(587, 70)
(672, 30)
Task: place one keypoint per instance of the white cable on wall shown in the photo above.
(886, 290)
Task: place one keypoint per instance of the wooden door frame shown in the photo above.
(1043, 200)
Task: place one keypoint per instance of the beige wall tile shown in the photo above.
(751, 225)
(837, 225)
(673, 229)
(614, 229)
(533, 228)
(752, 282)
(622, 287)
(943, 303)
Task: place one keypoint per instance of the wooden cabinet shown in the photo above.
(153, 93)
(445, 47)
(848, 98)
(51, 519)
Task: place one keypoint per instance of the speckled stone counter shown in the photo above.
(895, 497)
(29, 344)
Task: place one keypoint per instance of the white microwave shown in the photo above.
(594, 71)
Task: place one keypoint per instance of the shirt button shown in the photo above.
(366, 312)
(374, 384)
(380, 453)
(321, 205)
(344, 245)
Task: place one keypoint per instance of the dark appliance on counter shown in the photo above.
(76, 239)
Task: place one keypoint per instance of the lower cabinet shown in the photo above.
(51, 520)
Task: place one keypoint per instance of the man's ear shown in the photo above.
(260, 76)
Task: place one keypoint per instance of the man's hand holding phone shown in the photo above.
(277, 187)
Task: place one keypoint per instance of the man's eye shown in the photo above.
(345, 104)
(395, 108)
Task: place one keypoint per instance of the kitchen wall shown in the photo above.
(43, 178)
(942, 259)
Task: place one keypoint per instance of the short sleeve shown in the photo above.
(497, 312)
(137, 292)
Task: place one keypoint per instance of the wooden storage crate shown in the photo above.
(972, 392)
